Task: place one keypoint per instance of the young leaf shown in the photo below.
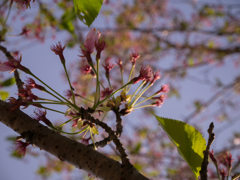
(67, 20)
(8, 82)
(4, 95)
(87, 10)
(94, 130)
(189, 142)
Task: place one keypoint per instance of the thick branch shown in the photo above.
(65, 149)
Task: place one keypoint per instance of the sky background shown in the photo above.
(46, 65)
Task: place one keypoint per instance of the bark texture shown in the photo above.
(65, 149)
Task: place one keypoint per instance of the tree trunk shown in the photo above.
(66, 149)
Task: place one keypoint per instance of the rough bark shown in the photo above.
(65, 149)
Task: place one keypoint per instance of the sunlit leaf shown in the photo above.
(4, 95)
(87, 10)
(189, 142)
(79, 123)
(94, 130)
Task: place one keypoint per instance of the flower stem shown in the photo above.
(70, 133)
(92, 140)
(99, 103)
(69, 82)
(52, 110)
(73, 105)
(145, 99)
(136, 91)
(77, 95)
(66, 122)
(139, 95)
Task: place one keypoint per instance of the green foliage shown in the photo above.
(43, 171)
(87, 10)
(4, 95)
(8, 82)
(137, 148)
(189, 142)
(67, 20)
(3, 32)
(15, 154)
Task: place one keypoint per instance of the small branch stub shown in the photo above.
(211, 137)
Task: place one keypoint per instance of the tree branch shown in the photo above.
(65, 149)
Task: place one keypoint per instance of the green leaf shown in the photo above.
(189, 142)
(3, 32)
(94, 130)
(87, 10)
(67, 20)
(8, 82)
(4, 95)
(15, 154)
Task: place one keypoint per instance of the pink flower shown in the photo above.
(119, 63)
(160, 98)
(156, 76)
(23, 4)
(86, 68)
(223, 173)
(85, 141)
(58, 50)
(108, 66)
(40, 115)
(21, 147)
(68, 94)
(75, 121)
(12, 65)
(89, 44)
(211, 155)
(15, 104)
(229, 160)
(100, 45)
(5, 67)
(157, 103)
(25, 31)
(134, 57)
(32, 84)
(106, 92)
(27, 95)
(145, 75)
(164, 89)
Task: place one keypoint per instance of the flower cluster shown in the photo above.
(223, 164)
(93, 40)
(106, 98)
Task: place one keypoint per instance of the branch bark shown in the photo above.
(65, 149)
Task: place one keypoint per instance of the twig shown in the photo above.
(108, 140)
(102, 143)
(112, 135)
(119, 127)
(203, 172)
(16, 74)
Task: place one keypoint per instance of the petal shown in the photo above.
(5, 67)
(91, 34)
